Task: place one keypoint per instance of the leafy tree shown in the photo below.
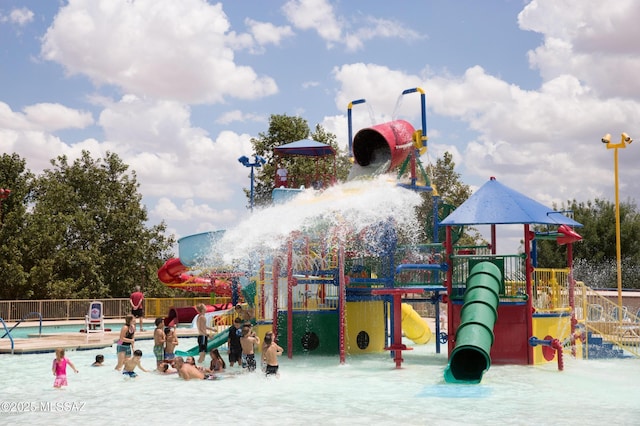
(595, 255)
(13, 210)
(284, 129)
(85, 236)
(452, 192)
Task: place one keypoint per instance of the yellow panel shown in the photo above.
(555, 327)
(366, 318)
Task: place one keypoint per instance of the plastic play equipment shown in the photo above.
(414, 326)
(174, 273)
(392, 142)
(216, 341)
(470, 359)
(188, 313)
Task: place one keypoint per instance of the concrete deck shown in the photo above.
(76, 340)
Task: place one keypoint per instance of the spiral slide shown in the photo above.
(414, 326)
(470, 358)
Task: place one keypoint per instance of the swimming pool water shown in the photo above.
(312, 390)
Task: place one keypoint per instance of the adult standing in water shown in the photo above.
(137, 310)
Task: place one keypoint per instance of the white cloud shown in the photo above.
(51, 117)
(158, 48)
(20, 17)
(595, 41)
(319, 15)
(268, 33)
(315, 15)
(237, 115)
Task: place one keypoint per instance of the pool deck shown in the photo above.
(76, 340)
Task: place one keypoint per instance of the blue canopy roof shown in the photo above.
(495, 203)
(306, 147)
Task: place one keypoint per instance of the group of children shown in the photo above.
(242, 341)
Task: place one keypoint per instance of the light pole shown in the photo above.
(624, 140)
(258, 161)
(4, 194)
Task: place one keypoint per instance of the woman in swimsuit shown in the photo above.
(125, 343)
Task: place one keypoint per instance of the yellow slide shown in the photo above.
(414, 326)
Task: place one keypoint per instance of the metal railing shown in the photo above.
(76, 309)
(601, 316)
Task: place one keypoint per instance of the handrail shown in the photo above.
(18, 323)
(607, 325)
(7, 332)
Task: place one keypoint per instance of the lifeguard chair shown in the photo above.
(94, 320)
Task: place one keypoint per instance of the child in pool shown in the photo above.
(217, 363)
(59, 369)
(99, 361)
(131, 363)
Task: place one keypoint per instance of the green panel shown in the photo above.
(313, 332)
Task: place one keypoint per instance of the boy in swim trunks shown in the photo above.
(248, 340)
(203, 332)
(131, 363)
(270, 353)
(171, 341)
(158, 342)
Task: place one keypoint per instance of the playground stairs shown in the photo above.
(610, 332)
(596, 347)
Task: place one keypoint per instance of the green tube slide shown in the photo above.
(470, 358)
(217, 340)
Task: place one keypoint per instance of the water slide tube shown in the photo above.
(216, 341)
(470, 358)
(174, 272)
(414, 326)
(187, 314)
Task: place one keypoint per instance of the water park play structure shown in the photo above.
(335, 286)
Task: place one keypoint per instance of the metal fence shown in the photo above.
(76, 309)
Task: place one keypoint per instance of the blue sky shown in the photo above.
(520, 90)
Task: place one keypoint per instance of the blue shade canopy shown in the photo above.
(306, 147)
(495, 203)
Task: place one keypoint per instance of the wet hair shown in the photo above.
(159, 321)
(165, 367)
(268, 338)
(215, 354)
(100, 358)
(137, 352)
(201, 308)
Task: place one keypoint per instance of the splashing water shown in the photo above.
(346, 209)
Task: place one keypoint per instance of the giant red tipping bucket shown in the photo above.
(387, 142)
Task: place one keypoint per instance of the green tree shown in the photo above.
(13, 211)
(285, 129)
(595, 255)
(86, 235)
(452, 192)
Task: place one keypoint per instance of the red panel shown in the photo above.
(511, 342)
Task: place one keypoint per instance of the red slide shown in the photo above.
(188, 313)
(174, 274)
